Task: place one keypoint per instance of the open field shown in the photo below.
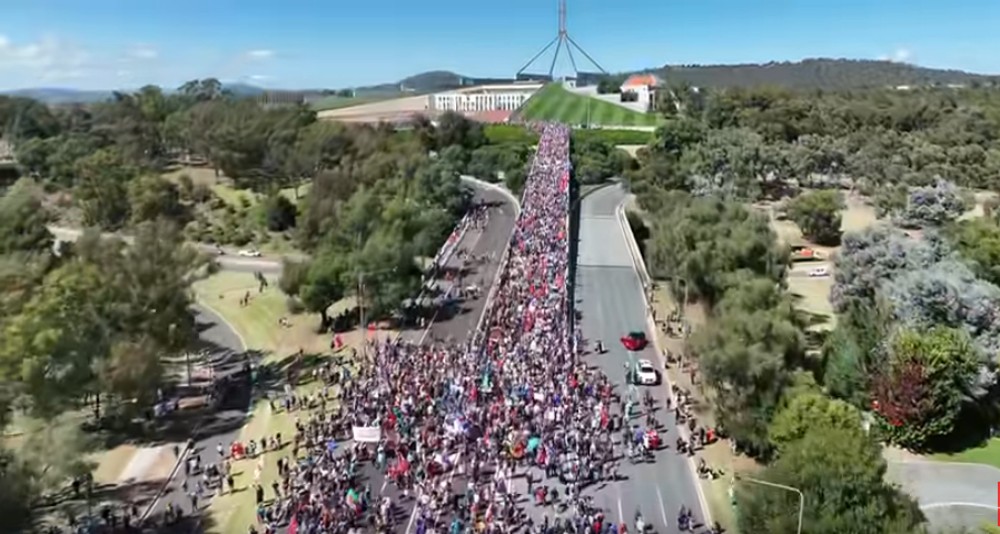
(387, 110)
(987, 453)
(814, 292)
(556, 103)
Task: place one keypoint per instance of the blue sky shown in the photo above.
(102, 44)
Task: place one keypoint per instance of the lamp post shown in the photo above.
(802, 498)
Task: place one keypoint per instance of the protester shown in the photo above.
(459, 426)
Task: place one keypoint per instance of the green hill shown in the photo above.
(554, 103)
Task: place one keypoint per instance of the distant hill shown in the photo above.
(55, 95)
(820, 74)
(61, 95)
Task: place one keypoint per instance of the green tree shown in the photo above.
(978, 242)
(152, 197)
(817, 213)
(52, 345)
(325, 283)
(811, 410)
(279, 213)
(840, 472)
(23, 219)
(102, 192)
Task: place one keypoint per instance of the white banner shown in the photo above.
(367, 434)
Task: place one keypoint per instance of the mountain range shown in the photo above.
(831, 74)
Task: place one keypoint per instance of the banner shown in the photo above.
(367, 434)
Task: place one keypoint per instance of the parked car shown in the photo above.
(819, 272)
(249, 253)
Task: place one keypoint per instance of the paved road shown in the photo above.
(229, 261)
(491, 239)
(951, 495)
(609, 295)
(227, 356)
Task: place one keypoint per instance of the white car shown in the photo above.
(249, 253)
(819, 271)
(647, 375)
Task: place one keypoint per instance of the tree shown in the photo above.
(747, 356)
(843, 486)
(817, 213)
(869, 258)
(325, 283)
(934, 205)
(103, 188)
(133, 372)
(811, 410)
(51, 346)
(23, 219)
(977, 240)
(55, 451)
(17, 491)
(701, 241)
(928, 382)
(279, 213)
(152, 197)
(455, 129)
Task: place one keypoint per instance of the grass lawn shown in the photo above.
(557, 104)
(257, 323)
(988, 453)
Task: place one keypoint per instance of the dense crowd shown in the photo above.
(463, 429)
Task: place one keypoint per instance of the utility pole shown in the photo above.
(362, 327)
(802, 498)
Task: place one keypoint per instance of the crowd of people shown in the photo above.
(458, 430)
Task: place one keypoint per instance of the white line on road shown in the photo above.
(621, 516)
(950, 504)
(663, 511)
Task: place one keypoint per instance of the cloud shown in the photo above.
(260, 54)
(143, 52)
(260, 77)
(47, 59)
(900, 55)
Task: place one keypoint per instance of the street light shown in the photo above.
(802, 498)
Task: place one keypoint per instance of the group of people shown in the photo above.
(447, 435)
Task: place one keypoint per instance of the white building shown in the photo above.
(644, 86)
(483, 98)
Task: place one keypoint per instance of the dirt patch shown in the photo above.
(385, 110)
(111, 464)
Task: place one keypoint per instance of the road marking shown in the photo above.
(621, 516)
(950, 504)
(663, 511)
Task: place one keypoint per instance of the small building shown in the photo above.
(644, 86)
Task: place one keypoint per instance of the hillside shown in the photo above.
(820, 74)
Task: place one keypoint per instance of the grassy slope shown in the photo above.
(556, 103)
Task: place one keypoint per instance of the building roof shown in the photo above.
(641, 80)
(492, 117)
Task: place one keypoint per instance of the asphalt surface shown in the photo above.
(226, 356)
(230, 261)
(609, 298)
(951, 495)
(492, 239)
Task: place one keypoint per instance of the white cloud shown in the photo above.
(46, 60)
(260, 54)
(260, 77)
(143, 52)
(900, 55)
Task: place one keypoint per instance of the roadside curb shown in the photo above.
(640, 268)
